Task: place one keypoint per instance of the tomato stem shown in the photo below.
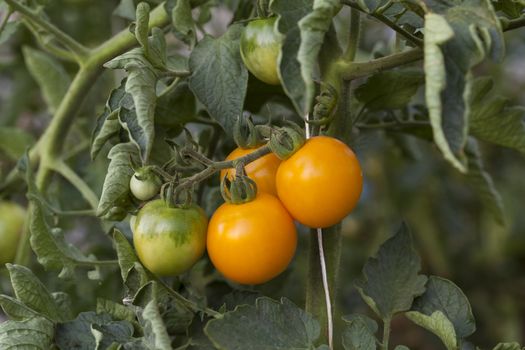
(326, 288)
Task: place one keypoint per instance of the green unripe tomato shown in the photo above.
(12, 218)
(145, 184)
(169, 241)
(260, 47)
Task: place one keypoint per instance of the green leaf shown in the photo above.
(445, 297)
(218, 76)
(155, 332)
(391, 280)
(115, 192)
(8, 31)
(290, 13)
(50, 247)
(115, 310)
(176, 107)
(90, 329)
(36, 333)
(508, 346)
(359, 333)
(49, 74)
(313, 28)
(390, 89)
(108, 124)
(492, 120)
(141, 83)
(133, 274)
(142, 25)
(438, 324)
(15, 309)
(267, 325)
(31, 292)
(482, 182)
(183, 24)
(14, 141)
(457, 37)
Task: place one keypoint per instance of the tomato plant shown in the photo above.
(253, 242)
(262, 170)
(169, 241)
(117, 124)
(321, 183)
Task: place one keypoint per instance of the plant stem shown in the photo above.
(66, 40)
(513, 23)
(328, 300)
(353, 40)
(6, 19)
(386, 333)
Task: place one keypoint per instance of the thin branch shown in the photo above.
(328, 300)
(6, 19)
(409, 36)
(513, 23)
(353, 40)
(353, 70)
(66, 40)
(70, 175)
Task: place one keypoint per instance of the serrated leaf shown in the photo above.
(391, 279)
(492, 120)
(176, 107)
(290, 13)
(438, 324)
(115, 310)
(444, 296)
(267, 325)
(157, 48)
(218, 77)
(116, 185)
(140, 83)
(64, 304)
(14, 141)
(49, 74)
(457, 37)
(108, 124)
(82, 332)
(31, 292)
(359, 333)
(482, 182)
(50, 247)
(126, 254)
(183, 24)
(390, 89)
(36, 333)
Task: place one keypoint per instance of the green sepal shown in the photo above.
(286, 141)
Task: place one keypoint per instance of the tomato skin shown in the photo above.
(169, 241)
(321, 183)
(253, 242)
(12, 217)
(260, 47)
(262, 170)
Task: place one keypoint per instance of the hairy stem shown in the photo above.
(353, 40)
(386, 333)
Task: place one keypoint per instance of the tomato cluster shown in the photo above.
(254, 241)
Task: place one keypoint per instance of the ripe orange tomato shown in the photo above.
(253, 242)
(320, 183)
(262, 170)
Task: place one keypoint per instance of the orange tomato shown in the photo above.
(321, 183)
(253, 242)
(262, 170)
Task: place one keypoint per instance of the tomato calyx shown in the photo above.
(241, 189)
(286, 141)
(246, 134)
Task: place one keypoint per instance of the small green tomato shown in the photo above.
(12, 218)
(169, 241)
(145, 184)
(260, 47)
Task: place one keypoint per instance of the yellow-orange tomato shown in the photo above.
(253, 242)
(320, 183)
(262, 170)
